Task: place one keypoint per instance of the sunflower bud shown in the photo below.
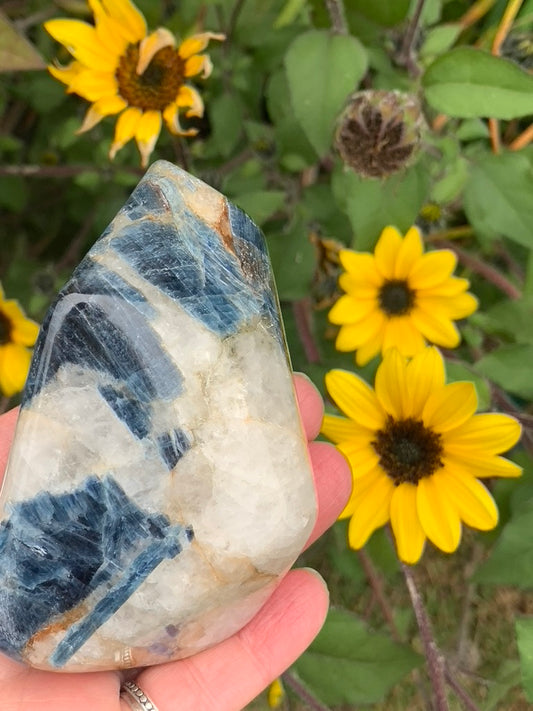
(379, 132)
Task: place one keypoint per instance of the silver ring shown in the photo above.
(129, 691)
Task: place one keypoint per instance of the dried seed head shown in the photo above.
(379, 132)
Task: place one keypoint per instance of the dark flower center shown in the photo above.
(408, 450)
(160, 82)
(396, 298)
(5, 329)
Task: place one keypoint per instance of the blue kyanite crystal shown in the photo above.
(158, 485)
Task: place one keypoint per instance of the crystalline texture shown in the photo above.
(158, 486)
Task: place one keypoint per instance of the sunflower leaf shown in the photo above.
(371, 205)
(322, 69)
(468, 82)
(510, 562)
(524, 638)
(509, 367)
(497, 198)
(349, 664)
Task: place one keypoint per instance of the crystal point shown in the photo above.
(158, 486)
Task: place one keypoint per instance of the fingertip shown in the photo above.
(310, 404)
(333, 482)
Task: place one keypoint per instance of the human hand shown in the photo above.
(229, 675)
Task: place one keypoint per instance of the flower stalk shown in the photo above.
(435, 662)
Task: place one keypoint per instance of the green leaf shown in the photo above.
(16, 53)
(511, 562)
(225, 113)
(323, 70)
(507, 677)
(371, 205)
(439, 39)
(261, 204)
(451, 185)
(497, 198)
(467, 82)
(512, 319)
(510, 367)
(524, 638)
(293, 261)
(383, 12)
(349, 664)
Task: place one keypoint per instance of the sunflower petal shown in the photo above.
(353, 335)
(425, 375)
(147, 133)
(125, 129)
(92, 85)
(340, 429)
(361, 456)
(67, 74)
(490, 433)
(172, 120)
(129, 17)
(435, 328)
(14, 366)
(386, 251)
(369, 349)
(198, 64)
(190, 99)
(23, 331)
(450, 407)
(151, 45)
(449, 287)
(197, 43)
(371, 511)
(438, 514)
(475, 505)
(432, 269)
(406, 526)
(110, 32)
(401, 333)
(348, 309)
(355, 398)
(391, 385)
(482, 466)
(409, 253)
(82, 42)
(360, 265)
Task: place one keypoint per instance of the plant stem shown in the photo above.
(475, 13)
(377, 588)
(523, 139)
(61, 171)
(299, 689)
(337, 16)
(483, 269)
(501, 33)
(302, 316)
(406, 57)
(433, 657)
(468, 703)
(4, 403)
(508, 17)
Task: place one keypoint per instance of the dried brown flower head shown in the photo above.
(379, 132)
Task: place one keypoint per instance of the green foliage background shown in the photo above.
(280, 81)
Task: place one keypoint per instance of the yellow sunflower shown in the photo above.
(399, 297)
(417, 451)
(121, 69)
(17, 334)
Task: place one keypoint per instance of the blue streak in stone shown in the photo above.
(172, 446)
(224, 286)
(57, 550)
(140, 569)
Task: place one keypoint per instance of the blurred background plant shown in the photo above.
(326, 121)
